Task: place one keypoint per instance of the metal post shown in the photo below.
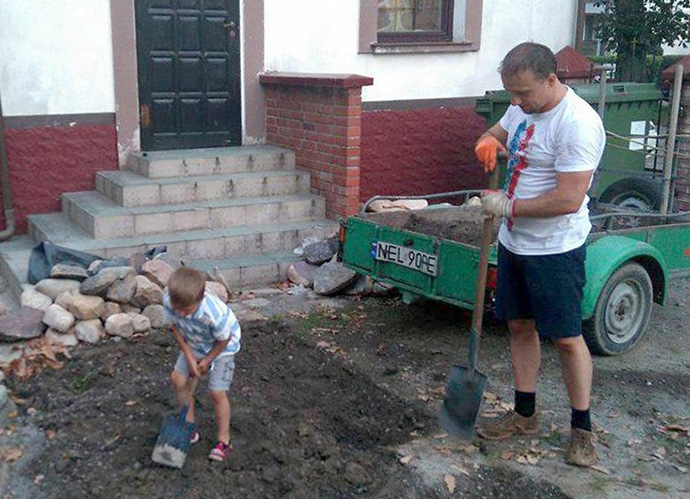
(601, 107)
(671, 140)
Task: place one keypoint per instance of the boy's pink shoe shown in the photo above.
(220, 452)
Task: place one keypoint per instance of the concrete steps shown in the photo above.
(101, 218)
(220, 243)
(239, 209)
(214, 161)
(130, 190)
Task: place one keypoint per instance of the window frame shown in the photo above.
(370, 43)
(444, 35)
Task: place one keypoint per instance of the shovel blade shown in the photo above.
(173, 441)
(461, 404)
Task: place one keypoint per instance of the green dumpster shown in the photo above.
(624, 175)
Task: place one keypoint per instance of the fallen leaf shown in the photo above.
(444, 450)
(507, 455)
(31, 411)
(680, 468)
(600, 469)
(322, 344)
(634, 441)
(406, 459)
(12, 454)
(450, 483)
(130, 403)
(521, 459)
(460, 469)
(614, 414)
(532, 459)
(38, 479)
(51, 434)
(660, 453)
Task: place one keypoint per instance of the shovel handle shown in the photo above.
(480, 290)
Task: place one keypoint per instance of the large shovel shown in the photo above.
(466, 385)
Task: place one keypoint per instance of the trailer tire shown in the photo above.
(622, 312)
(636, 193)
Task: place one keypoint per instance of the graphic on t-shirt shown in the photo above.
(518, 159)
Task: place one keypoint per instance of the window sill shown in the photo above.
(423, 47)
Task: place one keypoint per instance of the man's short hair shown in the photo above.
(529, 56)
(186, 287)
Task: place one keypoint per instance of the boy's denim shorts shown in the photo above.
(546, 288)
(220, 373)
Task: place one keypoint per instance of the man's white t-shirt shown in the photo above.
(568, 138)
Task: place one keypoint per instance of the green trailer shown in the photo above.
(630, 258)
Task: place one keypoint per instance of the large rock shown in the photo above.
(58, 318)
(89, 331)
(332, 277)
(320, 252)
(119, 325)
(140, 322)
(74, 272)
(110, 308)
(24, 323)
(217, 289)
(85, 307)
(65, 297)
(58, 338)
(122, 290)
(157, 271)
(34, 299)
(156, 315)
(55, 287)
(302, 273)
(99, 283)
(147, 293)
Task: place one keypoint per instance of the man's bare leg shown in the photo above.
(525, 350)
(576, 364)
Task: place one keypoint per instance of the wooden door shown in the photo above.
(189, 73)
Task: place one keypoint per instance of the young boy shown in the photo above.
(209, 337)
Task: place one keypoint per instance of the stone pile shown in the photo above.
(87, 305)
(321, 270)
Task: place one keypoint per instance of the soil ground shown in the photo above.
(338, 398)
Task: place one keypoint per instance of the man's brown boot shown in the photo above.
(510, 424)
(581, 451)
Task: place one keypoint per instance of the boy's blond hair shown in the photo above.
(186, 287)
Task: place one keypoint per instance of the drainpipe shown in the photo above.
(8, 209)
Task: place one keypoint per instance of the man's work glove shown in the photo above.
(487, 150)
(498, 203)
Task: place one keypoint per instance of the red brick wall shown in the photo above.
(322, 125)
(420, 151)
(47, 161)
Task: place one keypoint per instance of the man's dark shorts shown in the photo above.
(546, 288)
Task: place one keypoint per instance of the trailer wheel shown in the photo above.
(622, 312)
(636, 193)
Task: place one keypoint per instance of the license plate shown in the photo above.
(405, 257)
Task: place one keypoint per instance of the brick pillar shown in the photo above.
(319, 117)
(682, 183)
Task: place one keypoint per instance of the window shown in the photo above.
(419, 26)
(412, 21)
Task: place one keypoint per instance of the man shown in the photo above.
(555, 141)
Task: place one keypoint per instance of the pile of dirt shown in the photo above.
(308, 422)
(459, 223)
(305, 424)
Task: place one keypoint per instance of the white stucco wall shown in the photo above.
(323, 36)
(56, 57)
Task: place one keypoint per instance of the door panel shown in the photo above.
(189, 73)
